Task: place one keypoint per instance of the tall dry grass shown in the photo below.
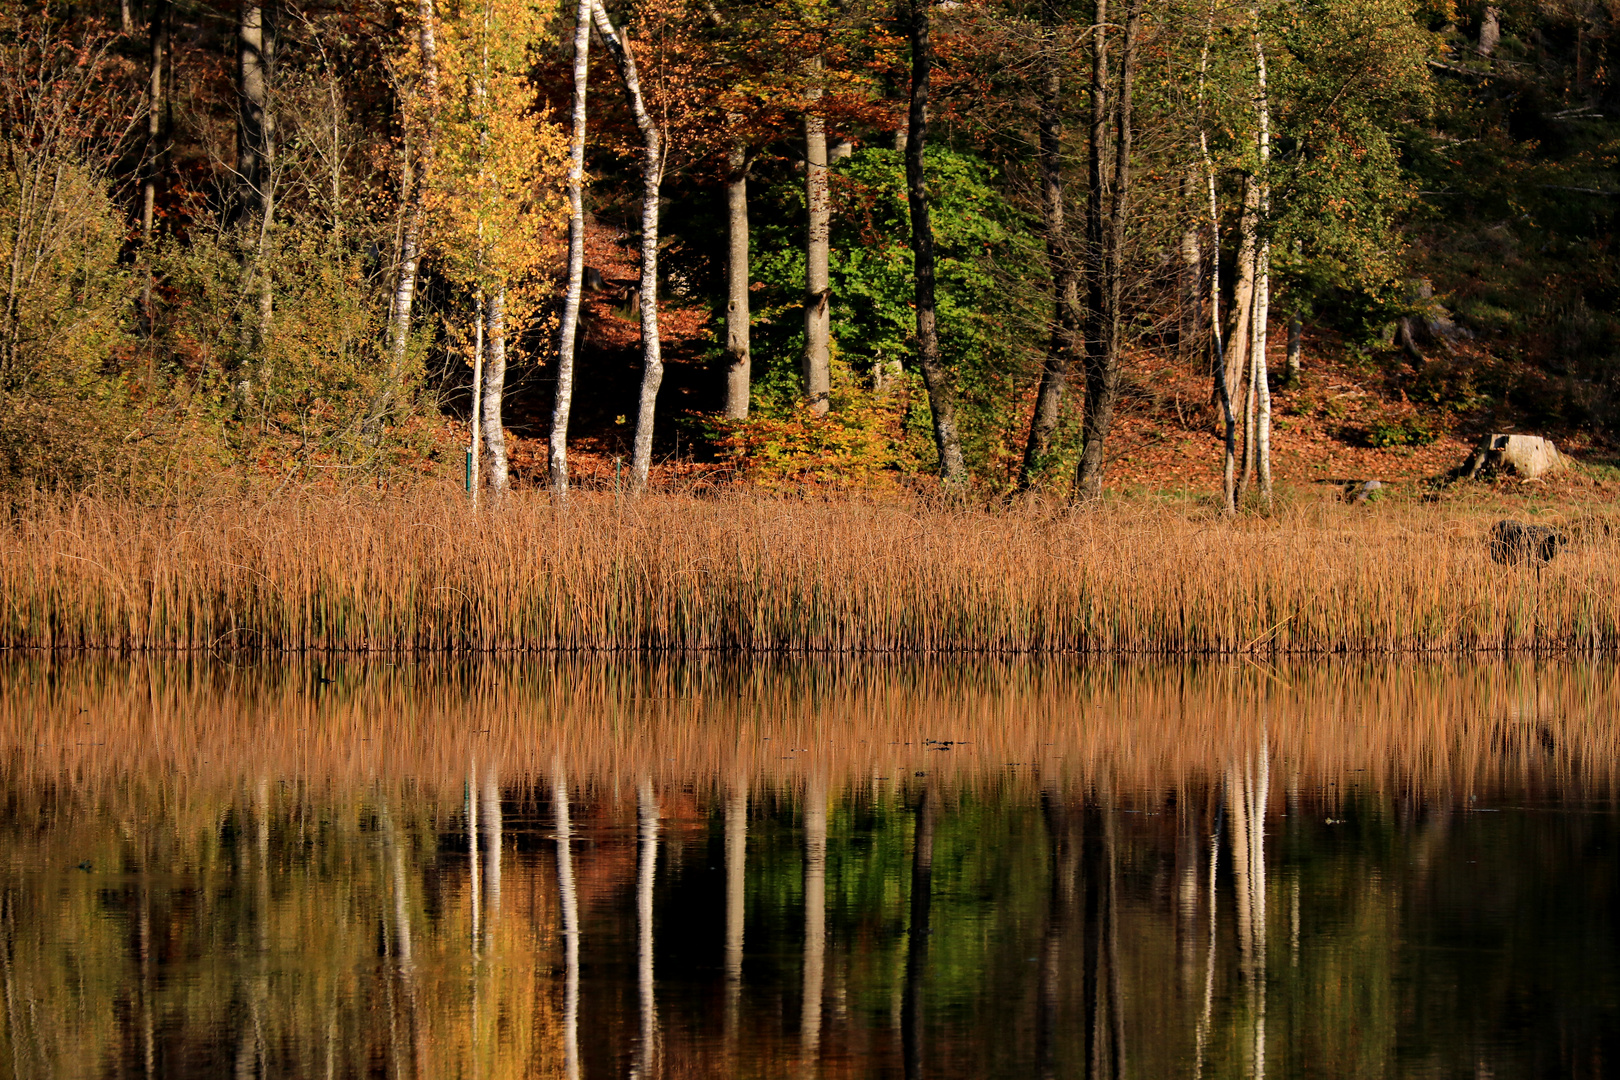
(759, 574)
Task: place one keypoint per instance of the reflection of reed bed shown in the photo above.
(1462, 727)
(766, 575)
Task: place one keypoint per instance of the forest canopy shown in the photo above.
(842, 244)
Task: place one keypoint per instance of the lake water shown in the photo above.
(697, 868)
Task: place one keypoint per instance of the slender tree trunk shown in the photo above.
(1095, 347)
(475, 476)
(652, 179)
(126, 17)
(415, 195)
(941, 400)
(1059, 258)
(1240, 335)
(568, 333)
(1296, 349)
(1262, 286)
(1490, 30)
(1192, 275)
(738, 363)
(1220, 370)
(817, 283)
(255, 146)
(494, 393)
(157, 137)
(1104, 357)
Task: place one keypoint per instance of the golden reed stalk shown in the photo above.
(426, 574)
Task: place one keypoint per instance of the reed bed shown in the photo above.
(756, 574)
(86, 728)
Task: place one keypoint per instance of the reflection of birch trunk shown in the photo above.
(736, 880)
(815, 917)
(1209, 959)
(475, 887)
(647, 813)
(404, 954)
(922, 884)
(1186, 884)
(492, 853)
(1247, 791)
(570, 922)
(250, 1044)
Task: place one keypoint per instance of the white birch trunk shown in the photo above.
(1224, 389)
(416, 185)
(738, 360)
(1262, 258)
(568, 333)
(494, 393)
(817, 283)
(475, 429)
(652, 179)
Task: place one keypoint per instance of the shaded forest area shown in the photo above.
(846, 244)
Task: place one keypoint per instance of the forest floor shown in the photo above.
(1354, 415)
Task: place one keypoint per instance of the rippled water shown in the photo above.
(702, 869)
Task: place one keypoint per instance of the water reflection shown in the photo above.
(689, 870)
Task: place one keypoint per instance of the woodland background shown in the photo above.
(279, 242)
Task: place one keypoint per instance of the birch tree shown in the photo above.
(422, 117)
(652, 178)
(817, 281)
(568, 332)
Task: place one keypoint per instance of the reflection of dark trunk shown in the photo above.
(922, 886)
(1065, 856)
(1102, 990)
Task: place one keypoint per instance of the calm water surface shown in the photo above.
(688, 869)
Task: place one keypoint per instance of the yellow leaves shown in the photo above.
(497, 201)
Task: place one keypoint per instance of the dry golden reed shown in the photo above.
(426, 574)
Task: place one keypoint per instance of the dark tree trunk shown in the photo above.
(1107, 226)
(940, 399)
(1060, 261)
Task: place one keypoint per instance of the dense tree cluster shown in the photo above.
(278, 239)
